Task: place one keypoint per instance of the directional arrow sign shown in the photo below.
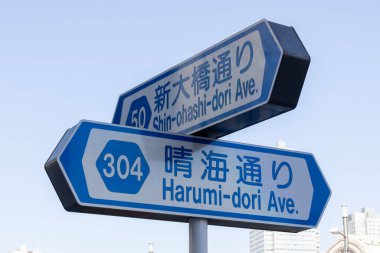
(254, 75)
(115, 170)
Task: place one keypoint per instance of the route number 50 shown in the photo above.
(139, 117)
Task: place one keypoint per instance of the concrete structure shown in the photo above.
(280, 242)
(357, 245)
(363, 233)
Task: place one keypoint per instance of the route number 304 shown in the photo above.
(121, 167)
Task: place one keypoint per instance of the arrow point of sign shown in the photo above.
(322, 191)
(287, 86)
(292, 69)
(56, 176)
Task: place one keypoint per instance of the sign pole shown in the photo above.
(197, 235)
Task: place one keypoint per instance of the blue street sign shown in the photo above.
(249, 77)
(116, 170)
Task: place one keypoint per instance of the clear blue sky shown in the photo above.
(63, 61)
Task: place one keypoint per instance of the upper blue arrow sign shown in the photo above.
(116, 170)
(254, 75)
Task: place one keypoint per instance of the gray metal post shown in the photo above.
(197, 235)
(345, 229)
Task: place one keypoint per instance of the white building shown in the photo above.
(150, 247)
(23, 249)
(307, 241)
(364, 223)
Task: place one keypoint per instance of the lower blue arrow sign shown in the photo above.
(115, 170)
